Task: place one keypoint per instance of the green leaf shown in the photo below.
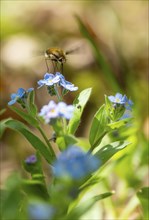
(106, 152)
(90, 182)
(143, 196)
(32, 108)
(98, 127)
(12, 199)
(66, 140)
(3, 126)
(108, 103)
(2, 111)
(33, 139)
(99, 55)
(118, 124)
(29, 118)
(35, 188)
(86, 206)
(79, 104)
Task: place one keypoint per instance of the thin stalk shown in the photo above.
(64, 125)
(59, 97)
(47, 141)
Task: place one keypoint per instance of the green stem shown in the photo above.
(59, 97)
(47, 141)
(64, 125)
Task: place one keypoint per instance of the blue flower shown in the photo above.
(20, 95)
(49, 80)
(122, 100)
(65, 111)
(31, 159)
(127, 114)
(49, 111)
(65, 84)
(40, 211)
(53, 111)
(75, 164)
(128, 105)
(16, 96)
(118, 99)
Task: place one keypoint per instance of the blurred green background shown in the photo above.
(112, 37)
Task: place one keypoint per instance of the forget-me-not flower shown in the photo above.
(121, 100)
(49, 111)
(20, 95)
(49, 80)
(118, 99)
(75, 164)
(65, 110)
(128, 104)
(53, 111)
(31, 159)
(127, 114)
(40, 211)
(66, 84)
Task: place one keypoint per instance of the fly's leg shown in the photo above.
(54, 64)
(47, 64)
(62, 68)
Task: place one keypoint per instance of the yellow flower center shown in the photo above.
(117, 100)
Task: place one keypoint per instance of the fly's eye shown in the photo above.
(46, 55)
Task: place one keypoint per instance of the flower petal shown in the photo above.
(111, 98)
(12, 102)
(48, 75)
(118, 96)
(30, 89)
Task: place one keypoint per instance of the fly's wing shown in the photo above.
(74, 50)
(37, 53)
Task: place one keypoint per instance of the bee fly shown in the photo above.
(57, 56)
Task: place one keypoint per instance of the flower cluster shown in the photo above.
(19, 96)
(121, 100)
(52, 79)
(75, 163)
(53, 110)
(40, 211)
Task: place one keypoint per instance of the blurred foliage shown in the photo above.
(113, 56)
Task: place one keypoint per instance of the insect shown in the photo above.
(57, 56)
